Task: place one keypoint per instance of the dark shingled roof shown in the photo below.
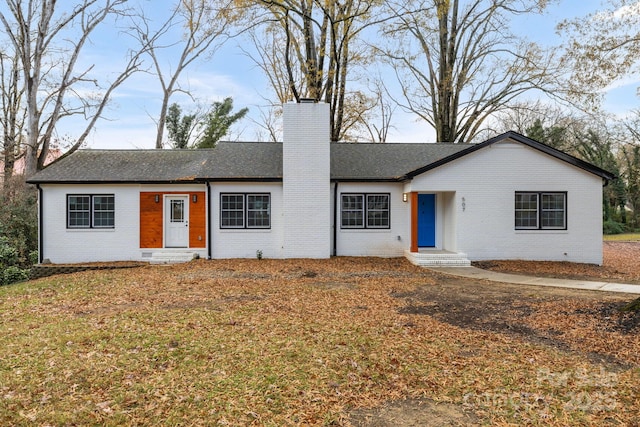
(228, 161)
(364, 162)
(86, 166)
(251, 161)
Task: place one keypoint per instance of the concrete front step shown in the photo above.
(172, 257)
(438, 258)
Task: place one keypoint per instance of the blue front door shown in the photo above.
(426, 220)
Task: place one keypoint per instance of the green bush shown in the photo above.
(13, 274)
(18, 231)
(33, 257)
(10, 270)
(613, 227)
(8, 254)
(19, 217)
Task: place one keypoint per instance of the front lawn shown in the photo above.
(292, 342)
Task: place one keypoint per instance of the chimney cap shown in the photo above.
(308, 101)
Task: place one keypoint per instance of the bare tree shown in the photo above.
(377, 119)
(269, 128)
(49, 41)
(316, 50)
(546, 122)
(204, 24)
(457, 62)
(631, 166)
(12, 115)
(601, 47)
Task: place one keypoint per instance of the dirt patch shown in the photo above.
(413, 413)
(613, 319)
(515, 310)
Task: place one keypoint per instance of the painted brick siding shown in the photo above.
(306, 181)
(375, 242)
(488, 180)
(122, 243)
(243, 243)
(62, 245)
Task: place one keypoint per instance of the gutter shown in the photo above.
(208, 210)
(335, 219)
(40, 222)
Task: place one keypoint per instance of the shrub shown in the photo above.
(612, 227)
(19, 217)
(18, 231)
(13, 274)
(8, 254)
(10, 270)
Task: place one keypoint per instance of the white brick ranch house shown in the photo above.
(507, 198)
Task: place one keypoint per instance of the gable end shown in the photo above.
(514, 136)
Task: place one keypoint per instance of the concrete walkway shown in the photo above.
(477, 273)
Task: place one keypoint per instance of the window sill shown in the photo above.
(365, 230)
(541, 231)
(85, 230)
(244, 230)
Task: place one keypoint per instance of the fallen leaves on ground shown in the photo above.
(621, 263)
(285, 342)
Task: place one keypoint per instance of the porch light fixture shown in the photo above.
(157, 198)
(405, 197)
(194, 198)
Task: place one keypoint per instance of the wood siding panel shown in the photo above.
(151, 226)
(414, 221)
(197, 220)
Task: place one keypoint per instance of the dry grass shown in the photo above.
(625, 237)
(248, 342)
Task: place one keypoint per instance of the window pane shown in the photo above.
(553, 210)
(258, 211)
(352, 211)
(78, 211)
(526, 210)
(378, 210)
(552, 219)
(526, 219)
(232, 211)
(103, 211)
(177, 211)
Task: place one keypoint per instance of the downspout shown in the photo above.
(208, 220)
(40, 221)
(335, 219)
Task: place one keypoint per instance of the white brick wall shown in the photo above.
(122, 243)
(375, 242)
(243, 243)
(302, 208)
(488, 180)
(306, 182)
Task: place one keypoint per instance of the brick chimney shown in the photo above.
(306, 180)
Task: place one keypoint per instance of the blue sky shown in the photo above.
(230, 73)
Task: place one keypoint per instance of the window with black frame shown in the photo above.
(540, 210)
